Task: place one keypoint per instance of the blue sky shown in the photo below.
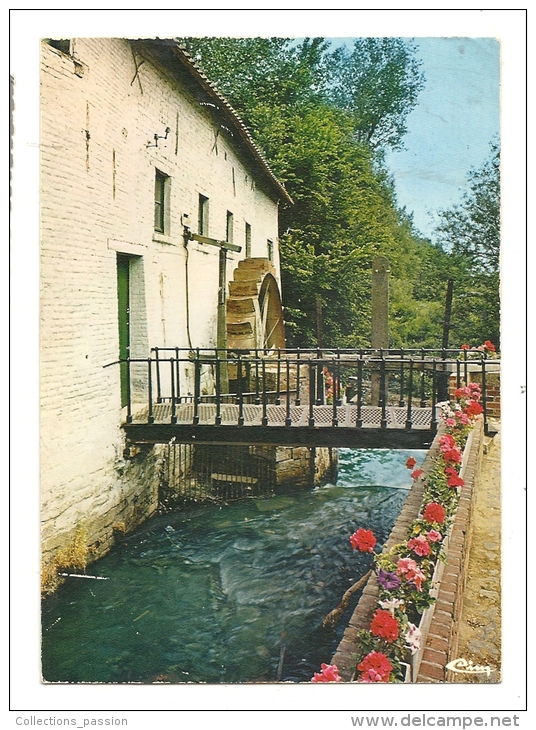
(450, 130)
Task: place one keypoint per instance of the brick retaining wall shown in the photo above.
(440, 643)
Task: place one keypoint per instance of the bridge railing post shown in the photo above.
(423, 376)
(128, 392)
(409, 415)
(298, 364)
(257, 391)
(334, 420)
(278, 379)
(173, 396)
(288, 419)
(435, 385)
(197, 388)
(264, 419)
(402, 372)
(150, 416)
(383, 391)
(312, 370)
(239, 391)
(359, 421)
(158, 386)
(217, 417)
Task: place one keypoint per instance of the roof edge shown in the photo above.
(209, 87)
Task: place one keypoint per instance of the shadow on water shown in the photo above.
(232, 593)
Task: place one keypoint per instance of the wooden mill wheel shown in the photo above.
(254, 312)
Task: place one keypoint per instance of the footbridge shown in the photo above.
(349, 398)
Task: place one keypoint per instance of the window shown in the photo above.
(270, 247)
(202, 216)
(229, 228)
(248, 241)
(61, 44)
(161, 184)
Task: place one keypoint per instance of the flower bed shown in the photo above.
(407, 572)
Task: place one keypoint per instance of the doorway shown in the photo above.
(123, 303)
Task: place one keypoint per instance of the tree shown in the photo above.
(322, 118)
(378, 82)
(470, 234)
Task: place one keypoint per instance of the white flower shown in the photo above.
(413, 638)
(391, 604)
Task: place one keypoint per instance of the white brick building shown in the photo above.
(135, 143)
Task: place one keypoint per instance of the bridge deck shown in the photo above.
(285, 426)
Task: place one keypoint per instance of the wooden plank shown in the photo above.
(233, 478)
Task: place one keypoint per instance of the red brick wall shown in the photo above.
(493, 391)
(441, 641)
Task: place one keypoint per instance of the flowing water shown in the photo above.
(227, 593)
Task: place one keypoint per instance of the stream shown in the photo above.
(226, 593)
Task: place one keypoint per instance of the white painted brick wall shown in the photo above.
(97, 187)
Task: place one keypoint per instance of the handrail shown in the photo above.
(306, 378)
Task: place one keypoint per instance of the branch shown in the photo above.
(333, 616)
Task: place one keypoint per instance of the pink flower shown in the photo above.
(406, 565)
(411, 571)
(419, 545)
(462, 392)
(434, 536)
(328, 673)
(451, 422)
(363, 540)
(446, 442)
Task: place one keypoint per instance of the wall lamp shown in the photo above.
(157, 137)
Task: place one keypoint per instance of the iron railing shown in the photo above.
(298, 381)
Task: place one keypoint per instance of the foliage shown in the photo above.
(73, 555)
(378, 83)
(322, 117)
(470, 234)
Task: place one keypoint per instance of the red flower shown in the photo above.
(419, 545)
(384, 625)
(329, 673)
(465, 347)
(455, 480)
(375, 667)
(416, 474)
(434, 512)
(473, 408)
(489, 346)
(363, 540)
(453, 456)
(411, 462)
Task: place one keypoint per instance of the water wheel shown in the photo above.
(254, 313)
